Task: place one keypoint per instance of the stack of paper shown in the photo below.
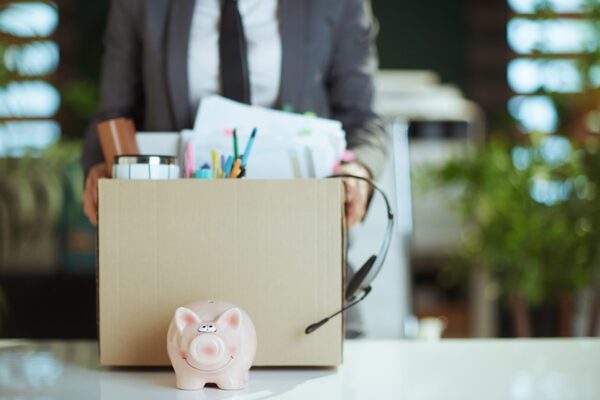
(287, 145)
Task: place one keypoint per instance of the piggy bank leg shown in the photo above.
(189, 382)
(233, 381)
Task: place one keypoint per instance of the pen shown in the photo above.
(235, 144)
(214, 155)
(222, 167)
(228, 166)
(248, 148)
(235, 171)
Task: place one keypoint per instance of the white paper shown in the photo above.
(318, 142)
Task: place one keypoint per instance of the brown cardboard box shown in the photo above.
(274, 248)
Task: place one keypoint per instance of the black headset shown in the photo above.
(360, 285)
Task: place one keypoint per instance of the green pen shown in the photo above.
(235, 145)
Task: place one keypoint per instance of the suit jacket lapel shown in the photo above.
(293, 27)
(178, 35)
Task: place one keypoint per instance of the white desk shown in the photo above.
(374, 370)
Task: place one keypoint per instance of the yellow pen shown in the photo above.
(215, 163)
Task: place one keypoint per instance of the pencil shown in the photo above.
(235, 171)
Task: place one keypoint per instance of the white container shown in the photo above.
(145, 167)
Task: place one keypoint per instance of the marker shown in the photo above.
(228, 166)
(189, 160)
(222, 167)
(206, 172)
(235, 171)
(235, 145)
(214, 155)
(248, 148)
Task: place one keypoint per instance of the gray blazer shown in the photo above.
(328, 59)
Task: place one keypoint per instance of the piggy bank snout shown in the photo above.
(208, 349)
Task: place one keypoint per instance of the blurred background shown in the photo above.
(494, 111)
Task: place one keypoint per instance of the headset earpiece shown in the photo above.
(359, 277)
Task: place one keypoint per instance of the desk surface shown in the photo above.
(448, 369)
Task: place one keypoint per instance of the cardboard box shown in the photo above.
(275, 248)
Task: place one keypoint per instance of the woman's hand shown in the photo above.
(357, 192)
(90, 193)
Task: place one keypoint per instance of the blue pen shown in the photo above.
(248, 148)
(228, 166)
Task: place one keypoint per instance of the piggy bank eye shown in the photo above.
(202, 328)
(211, 328)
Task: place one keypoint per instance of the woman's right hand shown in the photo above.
(90, 193)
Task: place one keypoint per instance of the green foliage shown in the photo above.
(537, 247)
(80, 98)
(37, 186)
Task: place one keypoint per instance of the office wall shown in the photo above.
(426, 34)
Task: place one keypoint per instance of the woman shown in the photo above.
(162, 57)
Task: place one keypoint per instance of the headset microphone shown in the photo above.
(360, 285)
(313, 327)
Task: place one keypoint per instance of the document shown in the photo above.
(286, 145)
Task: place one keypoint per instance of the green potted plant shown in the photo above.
(533, 219)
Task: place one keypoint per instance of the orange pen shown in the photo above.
(235, 170)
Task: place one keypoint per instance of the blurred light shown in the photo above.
(561, 76)
(592, 121)
(582, 187)
(29, 99)
(37, 58)
(550, 192)
(521, 157)
(563, 6)
(523, 76)
(526, 75)
(595, 75)
(551, 36)
(29, 19)
(555, 149)
(534, 113)
(18, 137)
(41, 369)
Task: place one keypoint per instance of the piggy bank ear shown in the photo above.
(184, 317)
(231, 319)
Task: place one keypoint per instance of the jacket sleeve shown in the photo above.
(350, 82)
(120, 81)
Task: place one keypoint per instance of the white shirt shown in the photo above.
(261, 27)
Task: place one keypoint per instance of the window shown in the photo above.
(28, 57)
(546, 37)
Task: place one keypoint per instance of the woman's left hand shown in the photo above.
(357, 192)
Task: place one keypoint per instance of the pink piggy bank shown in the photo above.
(211, 342)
